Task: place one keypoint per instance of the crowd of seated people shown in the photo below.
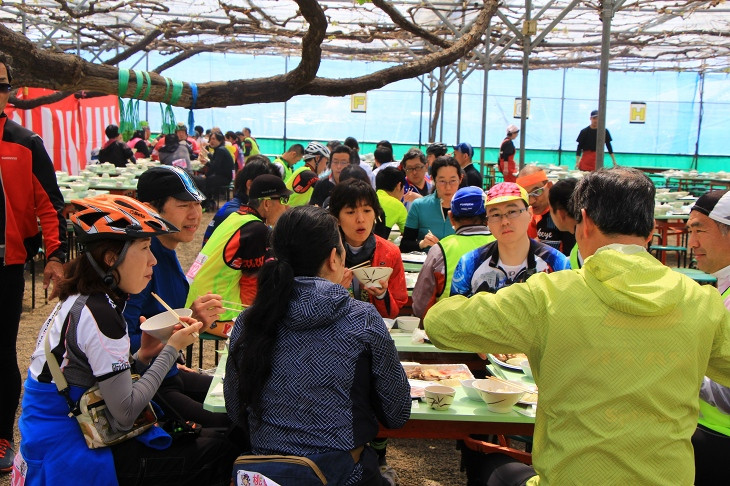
(295, 225)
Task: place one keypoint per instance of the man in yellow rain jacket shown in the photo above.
(618, 348)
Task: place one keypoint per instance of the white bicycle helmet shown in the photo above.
(314, 149)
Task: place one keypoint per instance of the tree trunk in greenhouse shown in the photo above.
(44, 68)
(440, 92)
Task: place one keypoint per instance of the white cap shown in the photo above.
(512, 129)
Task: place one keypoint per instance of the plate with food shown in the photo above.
(442, 374)
(508, 360)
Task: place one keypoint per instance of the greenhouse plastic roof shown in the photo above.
(646, 34)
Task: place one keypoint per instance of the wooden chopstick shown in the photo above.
(233, 309)
(172, 311)
(363, 264)
(513, 384)
(230, 302)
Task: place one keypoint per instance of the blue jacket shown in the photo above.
(426, 214)
(479, 270)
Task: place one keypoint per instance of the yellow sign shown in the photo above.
(359, 103)
(518, 108)
(637, 112)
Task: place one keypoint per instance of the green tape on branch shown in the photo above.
(177, 89)
(138, 89)
(167, 90)
(123, 81)
(148, 80)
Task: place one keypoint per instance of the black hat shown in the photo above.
(112, 131)
(167, 181)
(594, 113)
(267, 185)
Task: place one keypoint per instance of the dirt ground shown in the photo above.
(418, 462)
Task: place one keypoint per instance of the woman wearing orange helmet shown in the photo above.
(88, 337)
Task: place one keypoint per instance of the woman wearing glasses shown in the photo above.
(428, 219)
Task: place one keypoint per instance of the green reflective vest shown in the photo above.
(287, 169)
(454, 247)
(209, 272)
(575, 259)
(711, 417)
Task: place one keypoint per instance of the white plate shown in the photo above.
(503, 364)
(418, 388)
(413, 257)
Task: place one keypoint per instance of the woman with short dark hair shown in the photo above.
(355, 205)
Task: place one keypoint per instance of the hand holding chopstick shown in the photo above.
(232, 303)
(172, 311)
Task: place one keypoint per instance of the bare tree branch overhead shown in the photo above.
(75, 46)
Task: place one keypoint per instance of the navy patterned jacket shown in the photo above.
(335, 375)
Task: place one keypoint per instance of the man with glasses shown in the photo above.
(29, 194)
(513, 257)
(542, 227)
(415, 167)
(229, 262)
(301, 182)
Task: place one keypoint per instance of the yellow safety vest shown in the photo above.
(209, 273)
(454, 247)
(710, 416)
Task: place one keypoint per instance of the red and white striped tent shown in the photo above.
(70, 128)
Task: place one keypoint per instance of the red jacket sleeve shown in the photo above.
(48, 200)
(388, 255)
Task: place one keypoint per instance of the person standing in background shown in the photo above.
(250, 145)
(28, 194)
(585, 155)
(463, 154)
(219, 172)
(507, 165)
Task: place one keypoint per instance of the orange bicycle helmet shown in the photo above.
(116, 217)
